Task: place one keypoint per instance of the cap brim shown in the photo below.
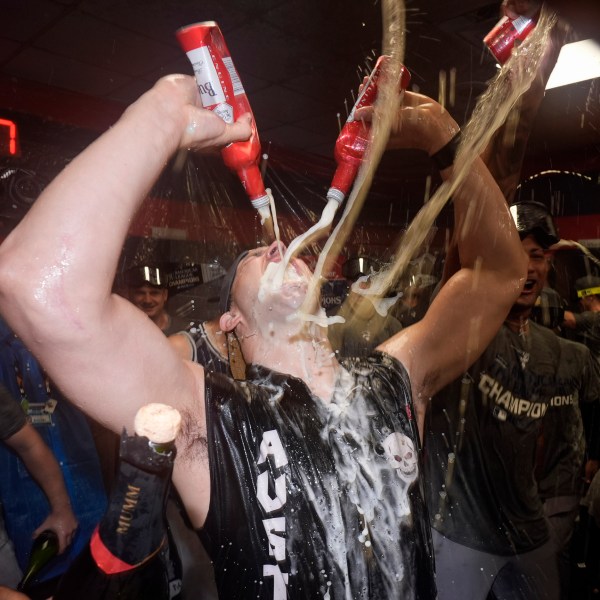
(227, 283)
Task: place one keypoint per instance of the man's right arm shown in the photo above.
(582, 322)
(7, 593)
(104, 354)
(505, 152)
(101, 351)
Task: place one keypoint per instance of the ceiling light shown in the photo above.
(578, 61)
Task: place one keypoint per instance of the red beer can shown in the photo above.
(507, 34)
(221, 91)
(352, 142)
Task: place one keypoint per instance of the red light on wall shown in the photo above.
(9, 142)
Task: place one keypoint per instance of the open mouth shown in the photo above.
(529, 285)
(293, 275)
(274, 281)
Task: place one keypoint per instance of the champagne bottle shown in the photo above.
(43, 550)
(125, 557)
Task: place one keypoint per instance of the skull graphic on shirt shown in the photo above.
(401, 455)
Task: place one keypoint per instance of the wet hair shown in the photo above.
(227, 283)
(533, 218)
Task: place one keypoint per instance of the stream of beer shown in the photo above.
(490, 112)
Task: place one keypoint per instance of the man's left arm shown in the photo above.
(469, 309)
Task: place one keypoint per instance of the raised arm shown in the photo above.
(470, 308)
(505, 152)
(44, 468)
(58, 265)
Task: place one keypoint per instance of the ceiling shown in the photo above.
(299, 60)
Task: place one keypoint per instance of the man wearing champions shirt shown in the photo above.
(305, 477)
(483, 431)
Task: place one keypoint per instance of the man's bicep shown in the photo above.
(460, 323)
(121, 362)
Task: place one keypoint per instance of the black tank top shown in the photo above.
(310, 500)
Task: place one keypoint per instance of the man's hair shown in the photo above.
(533, 218)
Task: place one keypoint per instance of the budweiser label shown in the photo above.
(209, 86)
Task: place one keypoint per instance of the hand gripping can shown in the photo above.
(221, 91)
(352, 142)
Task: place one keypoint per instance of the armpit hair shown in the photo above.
(192, 444)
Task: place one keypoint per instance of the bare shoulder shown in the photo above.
(182, 345)
(414, 347)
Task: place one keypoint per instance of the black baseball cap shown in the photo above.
(358, 266)
(227, 284)
(146, 275)
(587, 286)
(533, 218)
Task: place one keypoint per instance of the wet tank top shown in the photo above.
(315, 500)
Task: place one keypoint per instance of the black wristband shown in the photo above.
(445, 156)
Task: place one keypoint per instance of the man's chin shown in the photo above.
(527, 300)
(289, 299)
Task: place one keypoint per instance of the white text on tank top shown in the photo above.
(275, 526)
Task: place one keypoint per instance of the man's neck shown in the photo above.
(518, 320)
(162, 320)
(306, 356)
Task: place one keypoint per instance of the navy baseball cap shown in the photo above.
(227, 284)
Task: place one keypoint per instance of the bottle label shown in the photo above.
(236, 82)
(209, 85)
(221, 91)
(108, 562)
